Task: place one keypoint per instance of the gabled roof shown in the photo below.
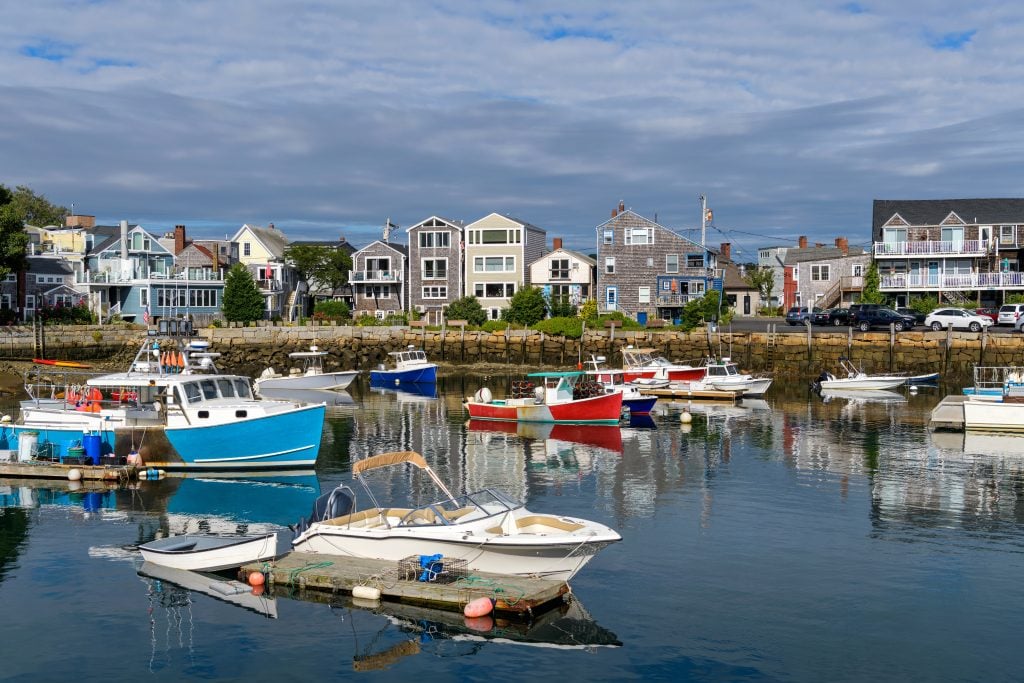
(272, 239)
(732, 280)
(62, 289)
(575, 254)
(457, 225)
(400, 248)
(650, 223)
(935, 211)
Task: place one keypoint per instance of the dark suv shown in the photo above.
(800, 314)
(882, 317)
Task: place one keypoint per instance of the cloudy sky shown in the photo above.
(328, 117)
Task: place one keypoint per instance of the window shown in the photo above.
(671, 263)
(5, 302)
(168, 298)
(820, 273)
(609, 265)
(435, 240)
(650, 261)
(559, 269)
(695, 260)
(435, 268)
(640, 236)
(1007, 234)
(377, 267)
(494, 264)
(609, 236)
(611, 297)
(494, 290)
(246, 249)
(492, 236)
(63, 300)
(11, 277)
(378, 291)
(438, 292)
(30, 302)
(192, 392)
(697, 287)
(202, 298)
(858, 269)
(643, 295)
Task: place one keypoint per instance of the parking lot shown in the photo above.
(741, 324)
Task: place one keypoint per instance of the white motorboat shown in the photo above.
(725, 375)
(646, 363)
(199, 552)
(996, 402)
(308, 374)
(852, 377)
(487, 529)
(410, 366)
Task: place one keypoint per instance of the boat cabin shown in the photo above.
(555, 387)
(408, 357)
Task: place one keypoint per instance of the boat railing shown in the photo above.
(999, 378)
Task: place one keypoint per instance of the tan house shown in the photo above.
(262, 249)
(498, 252)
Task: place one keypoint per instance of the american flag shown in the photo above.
(145, 315)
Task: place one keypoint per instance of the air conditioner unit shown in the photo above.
(420, 308)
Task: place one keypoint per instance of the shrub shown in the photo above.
(570, 327)
(331, 310)
(467, 308)
(494, 325)
(78, 314)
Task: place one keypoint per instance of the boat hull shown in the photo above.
(749, 387)
(326, 380)
(993, 415)
(640, 406)
(285, 440)
(604, 409)
(500, 555)
(678, 374)
(209, 553)
(863, 383)
(416, 375)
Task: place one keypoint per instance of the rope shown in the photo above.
(497, 591)
(294, 573)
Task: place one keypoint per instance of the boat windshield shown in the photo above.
(469, 507)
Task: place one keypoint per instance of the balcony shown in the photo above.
(675, 299)
(927, 249)
(932, 282)
(269, 285)
(109, 277)
(374, 276)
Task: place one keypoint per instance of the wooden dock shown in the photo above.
(695, 394)
(34, 469)
(513, 595)
(949, 414)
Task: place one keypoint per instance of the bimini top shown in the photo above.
(388, 459)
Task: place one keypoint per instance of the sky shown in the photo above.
(327, 118)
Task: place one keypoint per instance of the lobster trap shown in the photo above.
(432, 569)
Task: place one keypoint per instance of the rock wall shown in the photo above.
(251, 349)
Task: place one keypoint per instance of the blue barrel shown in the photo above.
(93, 446)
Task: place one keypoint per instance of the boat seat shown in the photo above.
(537, 524)
(453, 515)
(364, 518)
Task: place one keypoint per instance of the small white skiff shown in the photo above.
(197, 552)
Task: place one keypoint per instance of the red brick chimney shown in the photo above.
(727, 251)
(556, 243)
(802, 242)
(179, 238)
(843, 244)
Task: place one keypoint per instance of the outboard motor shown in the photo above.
(338, 502)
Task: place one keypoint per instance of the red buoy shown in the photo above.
(256, 579)
(480, 607)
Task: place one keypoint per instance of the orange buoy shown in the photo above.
(256, 579)
(480, 607)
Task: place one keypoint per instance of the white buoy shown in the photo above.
(74, 474)
(366, 593)
(913, 389)
(685, 417)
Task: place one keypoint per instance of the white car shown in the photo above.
(960, 319)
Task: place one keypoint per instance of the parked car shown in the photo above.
(1011, 314)
(960, 319)
(798, 314)
(832, 316)
(988, 313)
(918, 316)
(855, 310)
(882, 317)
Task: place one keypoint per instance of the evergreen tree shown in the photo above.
(13, 241)
(872, 281)
(242, 299)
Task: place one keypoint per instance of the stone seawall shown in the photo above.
(253, 348)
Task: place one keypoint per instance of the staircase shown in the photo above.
(955, 298)
(832, 296)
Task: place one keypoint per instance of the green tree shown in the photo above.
(35, 209)
(333, 269)
(872, 282)
(467, 308)
(13, 241)
(526, 307)
(763, 280)
(306, 259)
(242, 299)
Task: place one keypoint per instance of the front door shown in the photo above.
(933, 273)
(611, 298)
(746, 304)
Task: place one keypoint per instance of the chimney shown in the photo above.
(124, 240)
(179, 239)
(727, 251)
(556, 243)
(215, 251)
(844, 245)
(802, 243)
(615, 212)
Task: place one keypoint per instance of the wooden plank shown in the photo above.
(512, 594)
(47, 470)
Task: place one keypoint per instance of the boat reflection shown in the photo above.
(166, 579)
(333, 398)
(862, 395)
(407, 391)
(607, 437)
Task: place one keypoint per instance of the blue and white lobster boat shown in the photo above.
(170, 410)
(410, 366)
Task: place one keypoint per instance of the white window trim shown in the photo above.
(480, 264)
(504, 285)
(609, 261)
(819, 266)
(643, 295)
(423, 268)
(668, 267)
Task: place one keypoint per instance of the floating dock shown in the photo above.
(33, 469)
(948, 415)
(696, 394)
(512, 595)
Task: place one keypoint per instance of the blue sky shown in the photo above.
(327, 118)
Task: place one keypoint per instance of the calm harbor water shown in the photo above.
(789, 539)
